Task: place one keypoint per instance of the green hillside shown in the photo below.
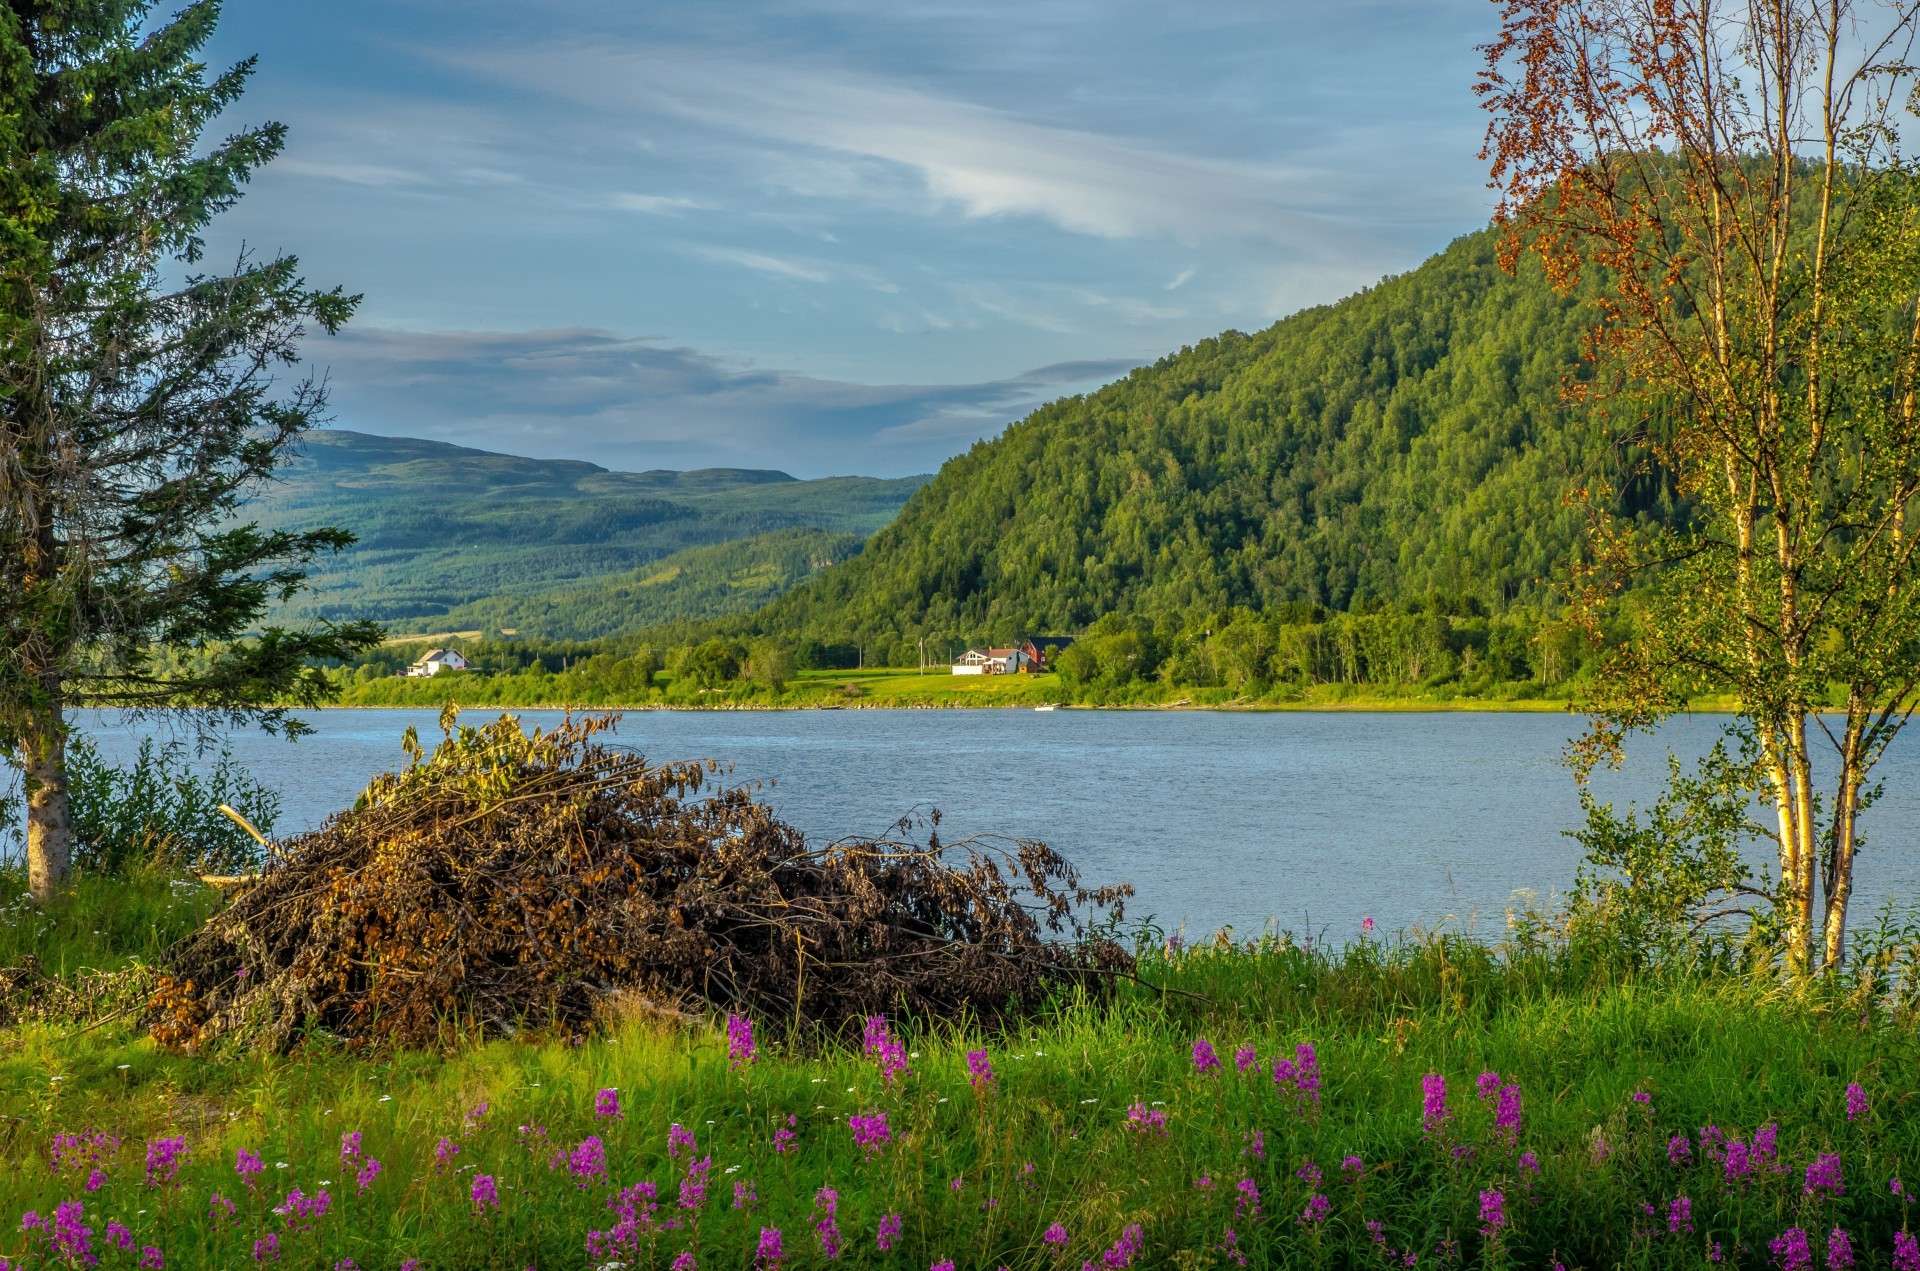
(442, 526)
(1407, 445)
(700, 582)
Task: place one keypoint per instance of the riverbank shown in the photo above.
(910, 689)
(1524, 1104)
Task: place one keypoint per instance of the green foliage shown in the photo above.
(101, 922)
(455, 539)
(159, 813)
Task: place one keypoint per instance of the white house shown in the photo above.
(993, 662)
(436, 661)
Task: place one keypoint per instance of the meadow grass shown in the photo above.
(1096, 1118)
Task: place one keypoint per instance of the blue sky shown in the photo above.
(830, 236)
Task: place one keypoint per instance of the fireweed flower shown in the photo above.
(446, 1149)
(1487, 1084)
(1055, 1234)
(1353, 1168)
(368, 1172)
(299, 1209)
(979, 1070)
(1245, 1058)
(1256, 1144)
(350, 1148)
(740, 1048)
(150, 1259)
(1679, 1215)
(784, 1139)
(1204, 1183)
(1790, 1250)
(870, 1134)
(1642, 1097)
(1906, 1252)
(219, 1210)
(1856, 1101)
(1506, 1114)
(476, 1117)
(1122, 1252)
(248, 1166)
(1839, 1251)
(884, 1049)
(1679, 1149)
(606, 1104)
(744, 1197)
(1309, 1174)
(1144, 1120)
(678, 1138)
(1230, 1245)
(768, 1255)
(693, 1188)
(163, 1160)
(1824, 1175)
(484, 1194)
(1248, 1204)
(1316, 1211)
(1306, 1074)
(1204, 1058)
(826, 1204)
(267, 1248)
(1529, 1162)
(1433, 1104)
(1894, 1186)
(588, 1161)
(119, 1236)
(1738, 1166)
(1493, 1214)
(1763, 1145)
(945, 1264)
(889, 1231)
(96, 1179)
(685, 1261)
(1366, 927)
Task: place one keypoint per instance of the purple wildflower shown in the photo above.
(1763, 1145)
(588, 1161)
(1353, 1168)
(1906, 1252)
(693, 1188)
(1204, 1058)
(1839, 1251)
(150, 1259)
(368, 1172)
(1256, 1144)
(827, 1204)
(1679, 1215)
(744, 1197)
(1493, 1214)
(72, 1238)
(350, 1148)
(1204, 1183)
(784, 1139)
(685, 1261)
(248, 1166)
(1318, 1207)
(118, 1236)
(220, 1210)
(484, 1194)
(679, 1139)
(1245, 1059)
(884, 1049)
(1738, 1165)
(1856, 1101)
(871, 1134)
(888, 1231)
(1486, 1085)
(1529, 1162)
(979, 1070)
(476, 1116)
(1230, 1245)
(1121, 1253)
(1366, 926)
(1309, 1174)
(1248, 1204)
(1055, 1234)
(1642, 1097)
(1790, 1250)
(1894, 1186)
(163, 1160)
(267, 1248)
(1306, 1074)
(446, 1149)
(1824, 1175)
(1506, 1113)
(945, 1264)
(96, 1179)
(1144, 1120)
(299, 1210)
(1433, 1104)
(1679, 1150)
(768, 1255)
(606, 1104)
(741, 1052)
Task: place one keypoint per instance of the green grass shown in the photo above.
(1577, 1033)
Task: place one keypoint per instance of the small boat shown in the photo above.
(1047, 706)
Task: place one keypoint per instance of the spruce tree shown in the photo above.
(142, 400)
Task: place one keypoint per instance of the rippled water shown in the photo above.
(1216, 817)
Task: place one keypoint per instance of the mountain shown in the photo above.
(1408, 444)
(442, 526)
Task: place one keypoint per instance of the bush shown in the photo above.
(158, 811)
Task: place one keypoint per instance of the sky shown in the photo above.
(829, 236)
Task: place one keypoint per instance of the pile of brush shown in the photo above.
(512, 880)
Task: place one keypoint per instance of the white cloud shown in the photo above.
(763, 263)
(1180, 280)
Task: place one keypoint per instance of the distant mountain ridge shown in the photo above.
(441, 526)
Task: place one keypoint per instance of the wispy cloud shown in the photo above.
(635, 402)
(763, 263)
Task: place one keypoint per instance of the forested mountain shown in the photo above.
(442, 526)
(1407, 445)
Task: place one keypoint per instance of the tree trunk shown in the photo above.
(1840, 866)
(43, 757)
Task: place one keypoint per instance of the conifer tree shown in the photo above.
(141, 399)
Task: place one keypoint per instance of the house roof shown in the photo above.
(436, 655)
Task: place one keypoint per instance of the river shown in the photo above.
(1310, 821)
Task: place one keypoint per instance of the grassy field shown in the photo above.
(906, 688)
(1420, 1103)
